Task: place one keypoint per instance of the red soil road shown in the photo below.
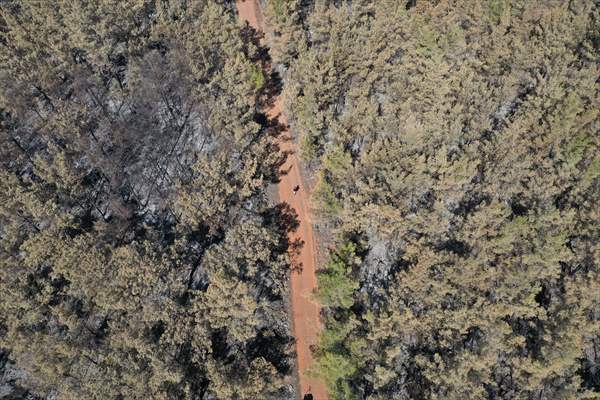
(305, 312)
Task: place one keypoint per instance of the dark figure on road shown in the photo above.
(307, 396)
(295, 189)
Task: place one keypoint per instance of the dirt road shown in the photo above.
(305, 312)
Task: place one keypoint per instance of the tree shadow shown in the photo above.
(284, 219)
(268, 94)
(273, 347)
(273, 128)
(253, 48)
(295, 248)
(259, 54)
(272, 88)
(283, 172)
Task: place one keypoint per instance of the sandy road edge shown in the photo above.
(303, 310)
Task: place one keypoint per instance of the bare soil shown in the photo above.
(304, 310)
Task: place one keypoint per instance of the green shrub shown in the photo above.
(336, 284)
(257, 77)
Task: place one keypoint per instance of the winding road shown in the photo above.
(305, 312)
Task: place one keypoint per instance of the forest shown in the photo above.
(456, 145)
(140, 256)
(456, 150)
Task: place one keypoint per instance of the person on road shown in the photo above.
(295, 189)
